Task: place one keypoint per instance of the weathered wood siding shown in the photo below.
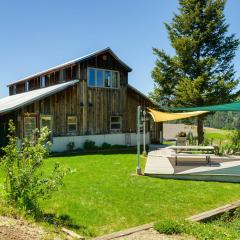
(93, 106)
(135, 99)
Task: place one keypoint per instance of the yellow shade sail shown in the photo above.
(164, 116)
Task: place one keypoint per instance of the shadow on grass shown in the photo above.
(63, 221)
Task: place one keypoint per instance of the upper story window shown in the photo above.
(14, 91)
(42, 81)
(103, 78)
(63, 75)
(26, 86)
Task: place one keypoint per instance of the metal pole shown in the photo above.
(144, 133)
(139, 171)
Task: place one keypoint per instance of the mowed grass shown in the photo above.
(218, 136)
(103, 195)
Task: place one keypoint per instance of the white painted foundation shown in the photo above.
(130, 139)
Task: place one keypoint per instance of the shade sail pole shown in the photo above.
(144, 133)
(138, 170)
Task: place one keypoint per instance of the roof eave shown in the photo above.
(142, 94)
(10, 109)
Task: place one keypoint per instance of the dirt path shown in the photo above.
(151, 234)
(16, 229)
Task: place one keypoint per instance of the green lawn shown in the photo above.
(218, 136)
(223, 227)
(102, 195)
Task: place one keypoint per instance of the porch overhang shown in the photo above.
(14, 102)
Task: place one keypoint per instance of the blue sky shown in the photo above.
(36, 35)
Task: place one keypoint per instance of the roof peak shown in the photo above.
(72, 62)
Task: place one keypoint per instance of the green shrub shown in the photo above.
(24, 182)
(235, 141)
(89, 145)
(117, 146)
(106, 146)
(70, 146)
(191, 139)
(170, 227)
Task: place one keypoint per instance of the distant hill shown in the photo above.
(223, 120)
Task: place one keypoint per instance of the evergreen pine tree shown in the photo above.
(201, 71)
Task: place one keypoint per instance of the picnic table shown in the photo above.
(207, 149)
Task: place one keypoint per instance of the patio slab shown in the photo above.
(161, 163)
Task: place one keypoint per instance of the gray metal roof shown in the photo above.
(14, 102)
(75, 61)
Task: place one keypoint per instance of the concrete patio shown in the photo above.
(161, 163)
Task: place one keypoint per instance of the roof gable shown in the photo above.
(77, 60)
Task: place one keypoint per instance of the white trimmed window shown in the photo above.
(103, 78)
(46, 121)
(42, 81)
(116, 123)
(72, 124)
(29, 126)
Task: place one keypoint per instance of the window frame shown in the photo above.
(88, 77)
(14, 91)
(41, 81)
(103, 70)
(26, 86)
(24, 127)
(50, 137)
(76, 124)
(46, 116)
(62, 75)
(119, 122)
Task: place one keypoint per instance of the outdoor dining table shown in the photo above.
(189, 148)
(193, 148)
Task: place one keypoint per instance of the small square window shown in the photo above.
(116, 123)
(72, 124)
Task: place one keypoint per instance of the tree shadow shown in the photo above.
(63, 220)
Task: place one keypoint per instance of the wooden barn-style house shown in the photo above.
(88, 98)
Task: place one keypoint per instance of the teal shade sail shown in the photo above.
(234, 106)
